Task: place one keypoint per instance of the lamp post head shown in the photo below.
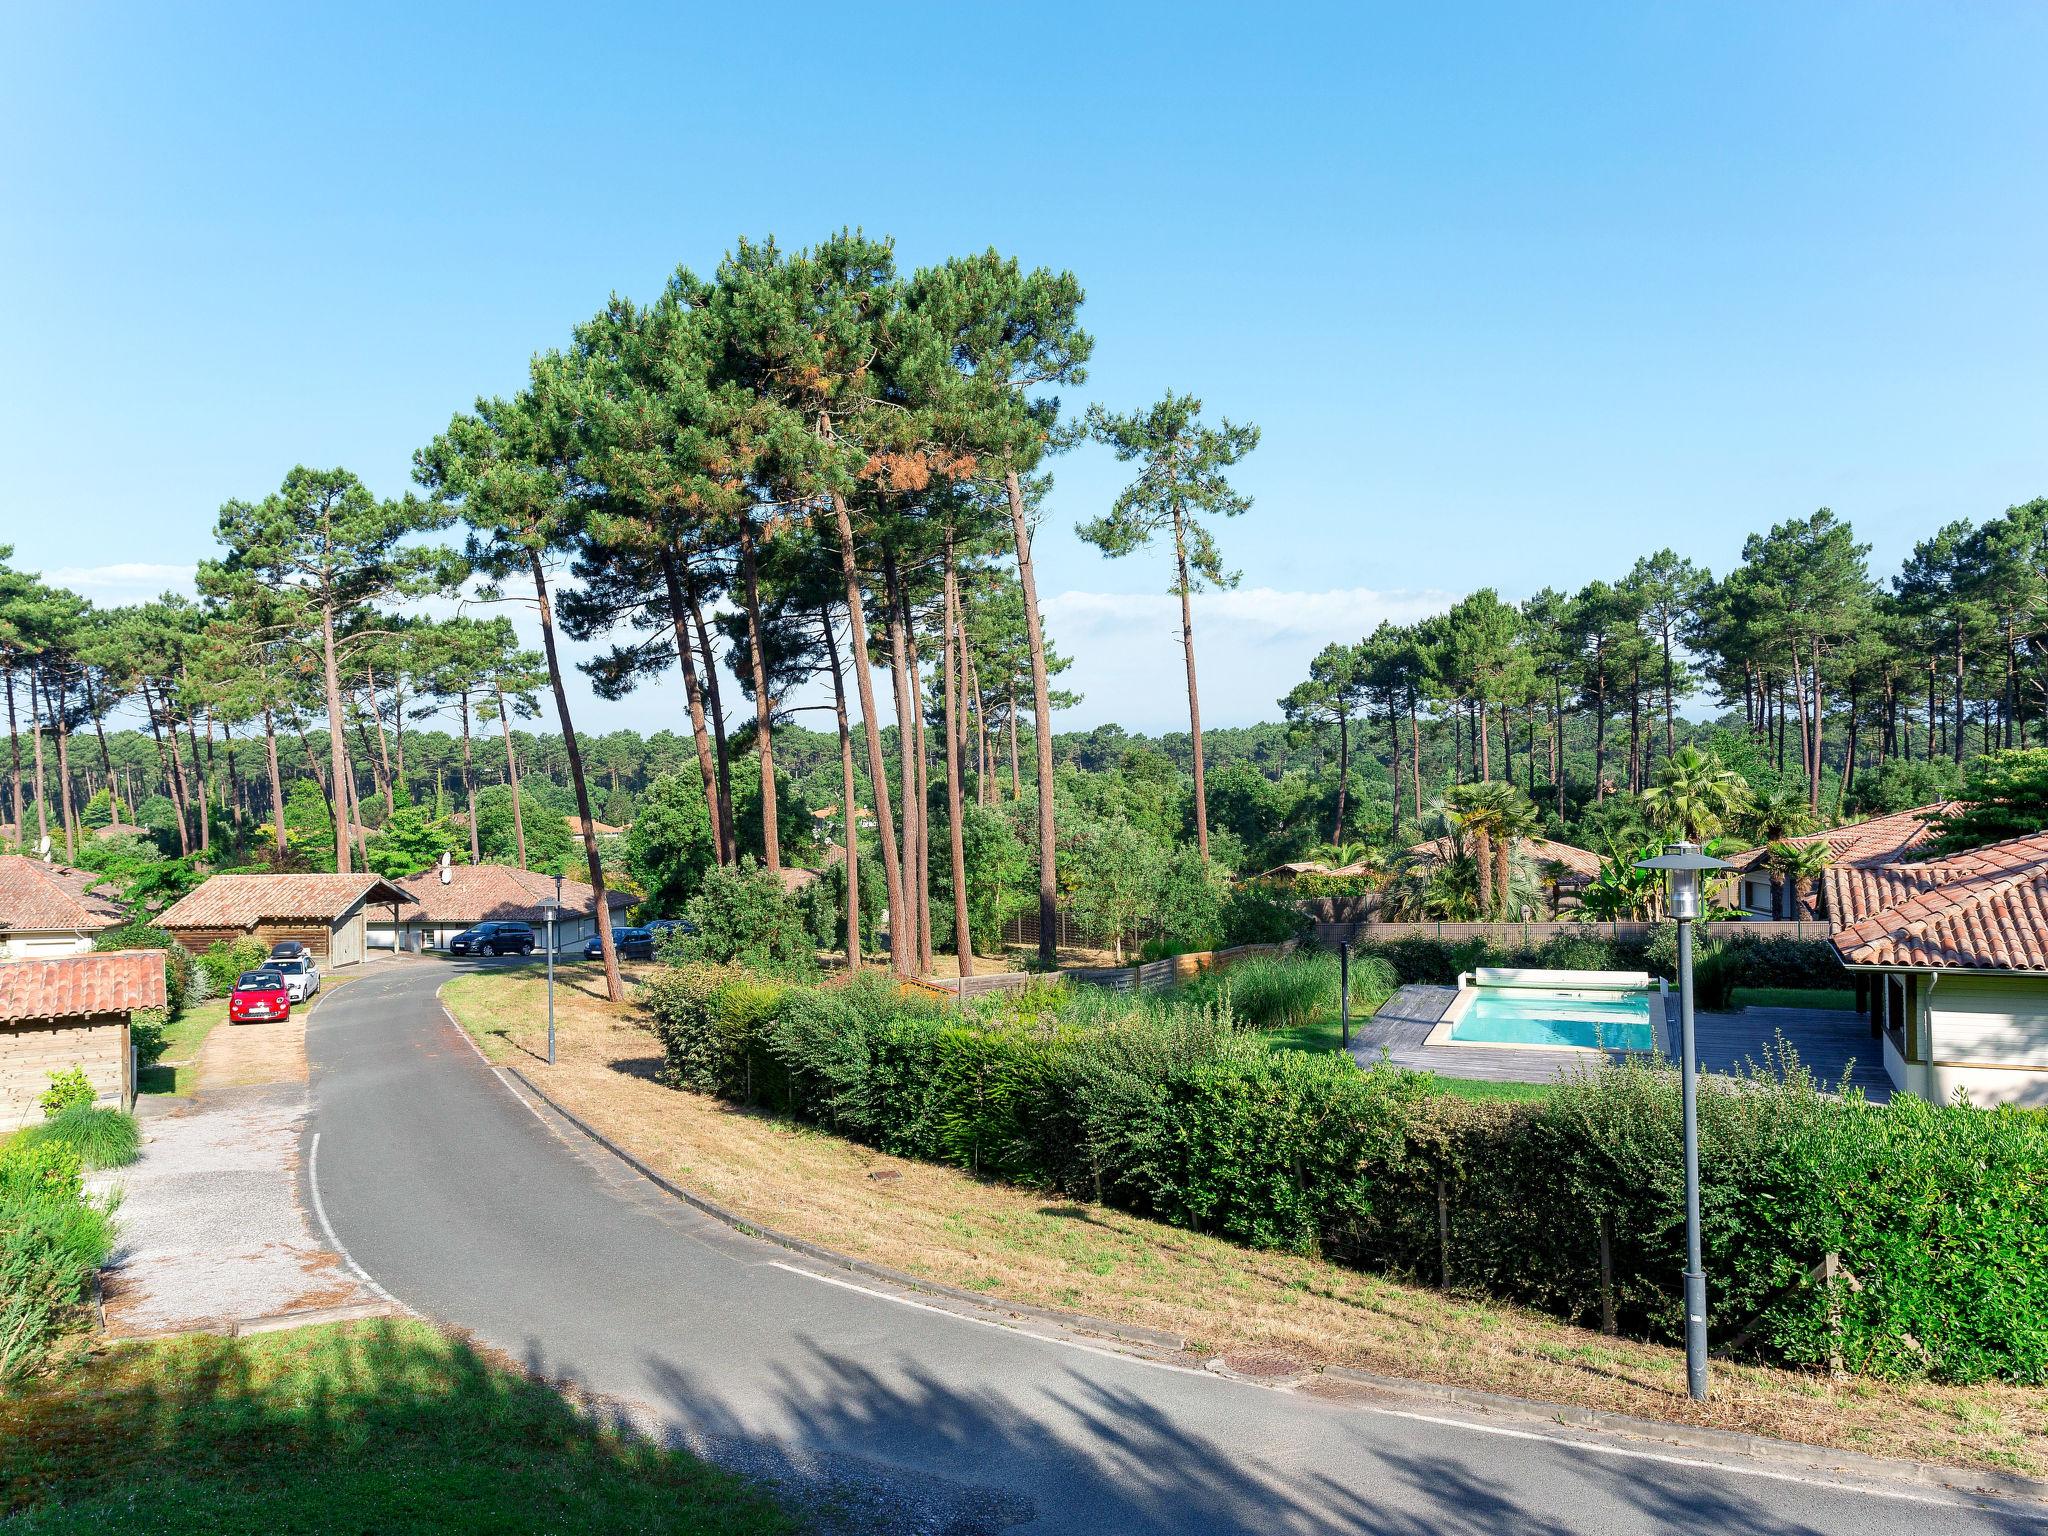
(1686, 864)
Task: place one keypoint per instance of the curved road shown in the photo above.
(457, 1199)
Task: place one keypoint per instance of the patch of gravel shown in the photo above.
(210, 1227)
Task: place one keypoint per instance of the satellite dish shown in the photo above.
(43, 849)
(447, 874)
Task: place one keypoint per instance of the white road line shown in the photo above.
(320, 1210)
(1629, 1453)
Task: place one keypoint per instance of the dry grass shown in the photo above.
(1028, 1247)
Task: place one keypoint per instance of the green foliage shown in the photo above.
(550, 847)
(101, 810)
(69, 1089)
(1286, 991)
(178, 968)
(1112, 869)
(2004, 795)
(53, 1239)
(1252, 914)
(102, 1137)
(1162, 1106)
(743, 916)
(225, 959)
(670, 845)
(1900, 785)
(309, 825)
(412, 838)
(999, 871)
(1187, 903)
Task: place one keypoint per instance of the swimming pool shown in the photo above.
(1584, 1021)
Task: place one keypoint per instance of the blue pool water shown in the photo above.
(1618, 1021)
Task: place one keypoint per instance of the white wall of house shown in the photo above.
(39, 944)
(1986, 1036)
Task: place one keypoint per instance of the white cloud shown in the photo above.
(122, 582)
(1251, 646)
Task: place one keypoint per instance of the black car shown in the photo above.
(493, 939)
(631, 943)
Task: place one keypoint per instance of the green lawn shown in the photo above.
(1480, 1088)
(363, 1427)
(1796, 997)
(182, 1040)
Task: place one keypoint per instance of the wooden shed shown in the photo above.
(326, 913)
(72, 1011)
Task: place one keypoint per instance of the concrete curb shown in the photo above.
(1725, 1442)
(1130, 1333)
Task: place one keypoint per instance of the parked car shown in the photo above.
(662, 925)
(259, 996)
(631, 943)
(290, 949)
(301, 975)
(493, 939)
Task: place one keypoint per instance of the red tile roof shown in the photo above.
(1983, 910)
(72, 986)
(241, 901)
(35, 895)
(478, 893)
(1880, 840)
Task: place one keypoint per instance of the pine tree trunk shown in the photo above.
(904, 954)
(35, 731)
(693, 690)
(764, 705)
(469, 783)
(337, 750)
(1187, 641)
(713, 694)
(615, 989)
(64, 779)
(511, 773)
(924, 818)
(849, 804)
(1016, 778)
(952, 681)
(1343, 770)
(277, 832)
(1041, 718)
(14, 757)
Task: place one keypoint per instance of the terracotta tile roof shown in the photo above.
(478, 893)
(1880, 840)
(35, 895)
(1540, 850)
(70, 986)
(1983, 910)
(240, 901)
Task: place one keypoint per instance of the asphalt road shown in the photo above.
(458, 1200)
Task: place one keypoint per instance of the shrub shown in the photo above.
(69, 1089)
(178, 967)
(225, 959)
(102, 1137)
(743, 916)
(53, 1239)
(1282, 991)
(1160, 1106)
(1253, 914)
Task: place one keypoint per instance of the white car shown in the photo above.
(301, 976)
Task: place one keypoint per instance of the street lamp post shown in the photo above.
(1686, 863)
(550, 906)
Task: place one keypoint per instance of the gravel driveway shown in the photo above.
(213, 1233)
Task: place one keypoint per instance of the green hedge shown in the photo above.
(53, 1239)
(1759, 962)
(1172, 1110)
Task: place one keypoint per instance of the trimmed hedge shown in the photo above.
(1759, 962)
(1171, 1110)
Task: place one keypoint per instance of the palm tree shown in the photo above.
(1695, 795)
(1800, 864)
(1338, 855)
(1475, 810)
(1497, 816)
(1777, 815)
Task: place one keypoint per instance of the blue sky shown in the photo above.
(1516, 292)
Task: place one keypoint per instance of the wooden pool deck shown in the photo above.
(1833, 1045)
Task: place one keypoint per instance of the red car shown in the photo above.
(259, 997)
